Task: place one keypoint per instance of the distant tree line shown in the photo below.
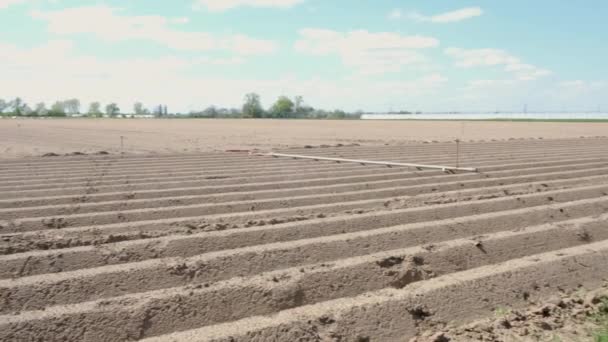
(18, 107)
(72, 107)
(284, 107)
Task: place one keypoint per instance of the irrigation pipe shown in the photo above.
(371, 162)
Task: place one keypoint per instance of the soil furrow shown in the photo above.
(226, 177)
(72, 220)
(243, 161)
(295, 287)
(401, 314)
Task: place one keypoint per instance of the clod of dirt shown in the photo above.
(275, 221)
(183, 270)
(102, 153)
(419, 312)
(569, 317)
(390, 262)
(287, 296)
(402, 271)
(429, 247)
(584, 235)
(55, 223)
(50, 154)
(326, 320)
(221, 226)
(439, 337)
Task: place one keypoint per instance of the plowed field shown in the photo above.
(237, 247)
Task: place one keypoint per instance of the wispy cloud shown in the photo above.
(582, 85)
(467, 58)
(367, 52)
(180, 20)
(448, 17)
(395, 14)
(110, 24)
(484, 84)
(6, 3)
(224, 5)
(34, 73)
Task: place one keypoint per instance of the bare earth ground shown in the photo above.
(23, 137)
(573, 317)
(228, 247)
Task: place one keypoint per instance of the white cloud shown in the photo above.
(180, 20)
(573, 84)
(415, 87)
(57, 71)
(494, 57)
(481, 57)
(249, 46)
(580, 85)
(368, 53)
(449, 17)
(395, 14)
(108, 24)
(599, 84)
(484, 84)
(6, 3)
(224, 5)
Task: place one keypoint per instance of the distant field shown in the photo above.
(23, 137)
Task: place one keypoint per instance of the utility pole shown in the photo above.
(457, 152)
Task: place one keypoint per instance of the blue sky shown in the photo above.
(369, 55)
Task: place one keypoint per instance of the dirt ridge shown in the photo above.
(233, 247)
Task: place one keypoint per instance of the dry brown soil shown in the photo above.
(218, 246)
(23, 137)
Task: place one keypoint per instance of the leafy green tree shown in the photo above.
(337, 114)
(283, 108)
(3, 105)
(210, 112)
(95, 110)
(158, 111)
(72, 106)
(28, 111)
(298, 103)
(112, 110)
(41, 110)
(138, 108)
(301, 109)
(320, 114)
(57, 109)
(252, 108)
(18, 107)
